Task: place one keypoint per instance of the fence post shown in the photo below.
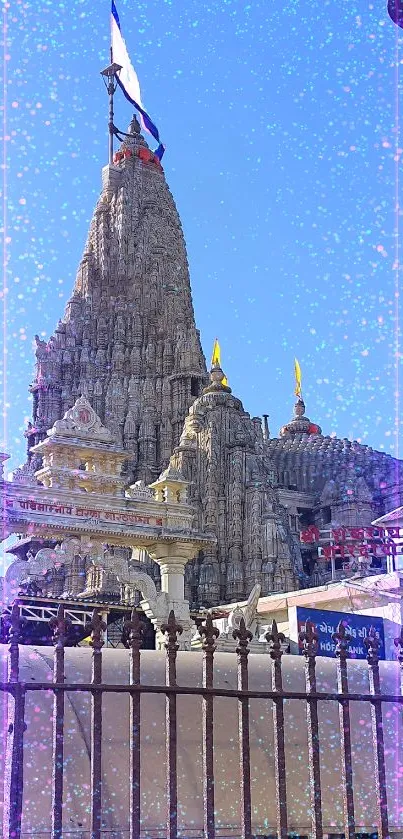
(275, 639)
(13, 774)
(60, 627)
(97, 626)
(243, 636)
(134, 629)
(209, 633)
(309, 640)
(171, 630)
(342, 640)
(372, 644)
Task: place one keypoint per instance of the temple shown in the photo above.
(147, 449)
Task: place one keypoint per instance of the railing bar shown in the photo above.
(342, 639)
(57, 771)
(208, 766)
(89, 687)
(309, 640)
(171, 630)
(135, 628)
(243, 636)
(59, 626)
(208, 633)
(13, 780)
(275, 640)
(97, 628)
(372, 645)
(135, 814)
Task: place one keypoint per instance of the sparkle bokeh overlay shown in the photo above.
(281, 122)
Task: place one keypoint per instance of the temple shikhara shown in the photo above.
(146, 480)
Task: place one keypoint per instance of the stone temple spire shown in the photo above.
(128, 339)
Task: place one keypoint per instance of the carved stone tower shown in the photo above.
(221, 454)
(128, 340)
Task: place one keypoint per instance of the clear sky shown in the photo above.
(281, 126)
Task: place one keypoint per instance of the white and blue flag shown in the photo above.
(128, 81)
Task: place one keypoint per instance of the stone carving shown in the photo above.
(60, 564)
(140, 491)
(251, 606)
(137, 580)
(25, 475)
(81, 421)
(248, 612)
(13, 577)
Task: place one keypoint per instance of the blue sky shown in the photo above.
(280, 122)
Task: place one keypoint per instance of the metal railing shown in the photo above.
(18, 690)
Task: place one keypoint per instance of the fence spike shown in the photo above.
(342, 639)
(243, 636)
(60, 627)
(275, 639)
(371, 642)
(97, 627)
(171, 630)
(133, 631)
(309, 640)
(209, 634)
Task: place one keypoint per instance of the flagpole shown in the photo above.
(109, 77)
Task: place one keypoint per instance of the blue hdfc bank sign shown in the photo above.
(326, 624)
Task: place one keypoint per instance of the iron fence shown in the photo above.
(17, 691)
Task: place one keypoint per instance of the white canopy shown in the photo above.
(36, 665)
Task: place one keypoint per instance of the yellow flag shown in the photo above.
(224, 381)
(216, 357)
(297, 370)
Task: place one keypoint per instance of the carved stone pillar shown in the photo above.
(172, 558)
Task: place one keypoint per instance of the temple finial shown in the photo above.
(218, 378)
(300, 424)
(134, 127)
